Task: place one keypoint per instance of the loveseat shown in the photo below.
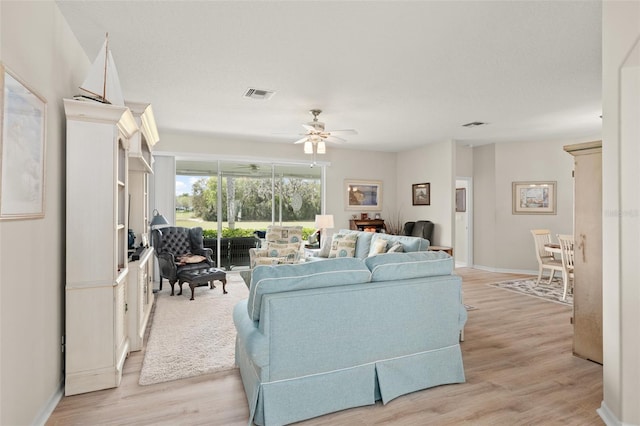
(318, 337)
(360, 244)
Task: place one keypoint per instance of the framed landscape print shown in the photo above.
(363, 194)
(461, 199)
(534, 197)
(22, 152)
(421, 194)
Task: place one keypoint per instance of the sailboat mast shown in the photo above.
(106, 58)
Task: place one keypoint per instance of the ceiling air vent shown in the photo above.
(259, 94)
(475, 124)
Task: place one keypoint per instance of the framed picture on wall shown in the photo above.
(22, 153)
(363, 194)
(534, 197)
(421, 194)
(461, 199)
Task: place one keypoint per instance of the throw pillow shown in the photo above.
(396, 248)
(378, 246)
(289, 251)
(343, 245)
(284, 234)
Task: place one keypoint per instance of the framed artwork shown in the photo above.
(534, 197)
(421, 194)
(23, 149)
(461, 199)
(363, 194)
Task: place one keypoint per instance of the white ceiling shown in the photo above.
(401, 73)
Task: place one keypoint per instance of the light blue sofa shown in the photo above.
(319, 337)
(365, 239)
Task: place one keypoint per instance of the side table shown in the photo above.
(448, 250)
(311, 252)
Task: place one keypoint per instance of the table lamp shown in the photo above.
(323, 222)
(158, 220)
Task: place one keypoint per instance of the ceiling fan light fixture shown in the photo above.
(308, 147)
(322, 148)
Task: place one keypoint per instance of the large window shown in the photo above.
(240, 198)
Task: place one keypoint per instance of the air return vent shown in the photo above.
(475, 124)
(259, 94)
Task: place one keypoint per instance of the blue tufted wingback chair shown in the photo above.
(172, 242)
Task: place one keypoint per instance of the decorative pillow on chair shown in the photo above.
(378, 246)
(290, 252)
(343, 245)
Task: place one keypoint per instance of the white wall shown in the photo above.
(503, 240)
(343, 164)
(621, 216)
(463, 222)
(38, 46)
(433, 164)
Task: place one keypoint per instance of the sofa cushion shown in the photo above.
(408, 243)
(378, 247)
(398, 266)
(282, 278)
(343, 245)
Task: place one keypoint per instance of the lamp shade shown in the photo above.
(322, 148)
(158, 220)
(324, 221)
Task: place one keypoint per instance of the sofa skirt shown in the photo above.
(290, 400)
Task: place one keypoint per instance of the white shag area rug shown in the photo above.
(544, 290)
(192, 337)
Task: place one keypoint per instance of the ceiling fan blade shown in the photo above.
(333, 139)
(309, 128)
(301, 140)
(343, 132)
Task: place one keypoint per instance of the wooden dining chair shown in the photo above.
(546, 260)
(566, 248)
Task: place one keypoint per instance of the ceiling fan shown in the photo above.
(316, 136)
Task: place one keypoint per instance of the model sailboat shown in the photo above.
(102, 83)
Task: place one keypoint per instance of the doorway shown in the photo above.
(463, 223)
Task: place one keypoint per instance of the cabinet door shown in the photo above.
(587, 297)
(120, 322)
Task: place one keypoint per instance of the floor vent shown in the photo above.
(258, 94)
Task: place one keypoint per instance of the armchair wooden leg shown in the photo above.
(173, 284)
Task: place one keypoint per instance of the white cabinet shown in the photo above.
(140, 151)
(587, 287)
(140, 297)
(140, 294)
(96, 336)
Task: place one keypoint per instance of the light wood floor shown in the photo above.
(518, 364)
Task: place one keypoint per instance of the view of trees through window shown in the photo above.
(250, 201)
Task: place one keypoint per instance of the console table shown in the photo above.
(360, 225)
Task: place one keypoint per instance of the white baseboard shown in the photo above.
(51, 405)
(607, 416)
(506, 271)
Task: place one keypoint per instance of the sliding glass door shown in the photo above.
(236, 199)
